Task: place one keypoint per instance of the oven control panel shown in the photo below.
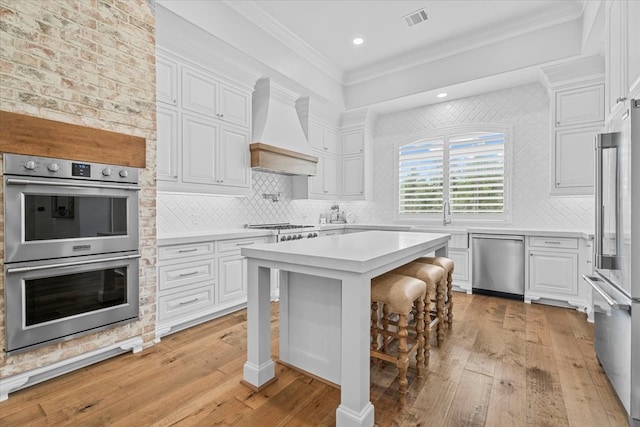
(22, 165)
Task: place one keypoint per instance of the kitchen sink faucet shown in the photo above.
(446, 213)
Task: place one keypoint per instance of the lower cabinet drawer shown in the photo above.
(184, 303)
(554, 242)
(185, 273)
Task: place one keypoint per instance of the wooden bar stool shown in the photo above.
(448, 266)
(435, 278)
(397, 294)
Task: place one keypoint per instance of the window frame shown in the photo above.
(445, 133)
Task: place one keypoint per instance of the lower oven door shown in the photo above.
(50, 301)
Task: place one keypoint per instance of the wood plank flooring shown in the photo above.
(504, 363)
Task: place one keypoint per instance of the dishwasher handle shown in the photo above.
(498, 237)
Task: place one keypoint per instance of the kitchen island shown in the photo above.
(324, 308)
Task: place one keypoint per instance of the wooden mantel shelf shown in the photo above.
(34, 136)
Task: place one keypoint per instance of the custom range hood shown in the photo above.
(279, 143)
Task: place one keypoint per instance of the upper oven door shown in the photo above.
(56, 218)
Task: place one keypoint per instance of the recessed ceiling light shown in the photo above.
(442, 95)
(358, 40)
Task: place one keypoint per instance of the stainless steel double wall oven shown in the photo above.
(71, 248)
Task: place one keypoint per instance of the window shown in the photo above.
(465, 167)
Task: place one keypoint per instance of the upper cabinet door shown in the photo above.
(633, 47)
(316, 136)
(199, 157)
(616, 57)
(167, 144)
(580, 106)
(353, 142)
(166, 80)
(330, 141)
(199, 92)
(235, 106)
(234, 156)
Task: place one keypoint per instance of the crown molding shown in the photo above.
(253, 12)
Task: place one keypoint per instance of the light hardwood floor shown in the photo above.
(504, 363)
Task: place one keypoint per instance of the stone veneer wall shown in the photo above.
(91, 63)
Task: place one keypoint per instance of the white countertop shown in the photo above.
(166, 239)
(358, 253)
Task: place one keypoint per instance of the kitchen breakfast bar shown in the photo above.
(325, 288)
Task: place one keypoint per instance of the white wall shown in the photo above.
(525, 108)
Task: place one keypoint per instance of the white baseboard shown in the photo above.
(35, 376)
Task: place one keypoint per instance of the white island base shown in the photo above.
(325, 293)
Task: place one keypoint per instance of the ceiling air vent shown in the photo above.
(416, 17)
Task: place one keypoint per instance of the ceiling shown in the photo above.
(327, 28)
(320, 33)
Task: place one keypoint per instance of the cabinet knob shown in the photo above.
(557, 123)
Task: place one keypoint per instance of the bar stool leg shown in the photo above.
(403, 359)
(440, 292)
(385, 326)
(374, 325)
(450, 299)
(420, 327)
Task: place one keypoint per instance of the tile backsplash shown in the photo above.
(524, 108)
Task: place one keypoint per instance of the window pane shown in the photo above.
(421, 182)
(476, 172)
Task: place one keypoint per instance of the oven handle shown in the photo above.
(68, 264)
(591, 280)
(75, 184)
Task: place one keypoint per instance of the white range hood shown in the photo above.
(279, 143)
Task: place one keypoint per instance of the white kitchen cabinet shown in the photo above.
(578, 113)
(321, 137)
(202, 93)
(322, 186)
(554, 266)
(234, 106)
(332, 232)
(553, 273)
(234, 165)
(633, 47)
(166, 80)
(573, 158)
(357, 164)
(580, 106)
(352, 142)
(200, 281)
(199, 92)
(167, 144)
(616, 57)
(214, 153)
(203, 138)
(186, 286)
(233, 278)
(353, 175)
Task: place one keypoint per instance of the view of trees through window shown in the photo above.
(467, 169)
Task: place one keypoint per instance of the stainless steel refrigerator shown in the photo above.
(616, 282)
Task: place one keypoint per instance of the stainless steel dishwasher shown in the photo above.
(498, 265)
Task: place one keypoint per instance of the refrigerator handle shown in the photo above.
(591, 280)
(603, 141)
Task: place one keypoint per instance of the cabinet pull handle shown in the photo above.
(551, 242)
(621, 99)
(191, 273)
(244, 243)
(188, 302)
(187, 250)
